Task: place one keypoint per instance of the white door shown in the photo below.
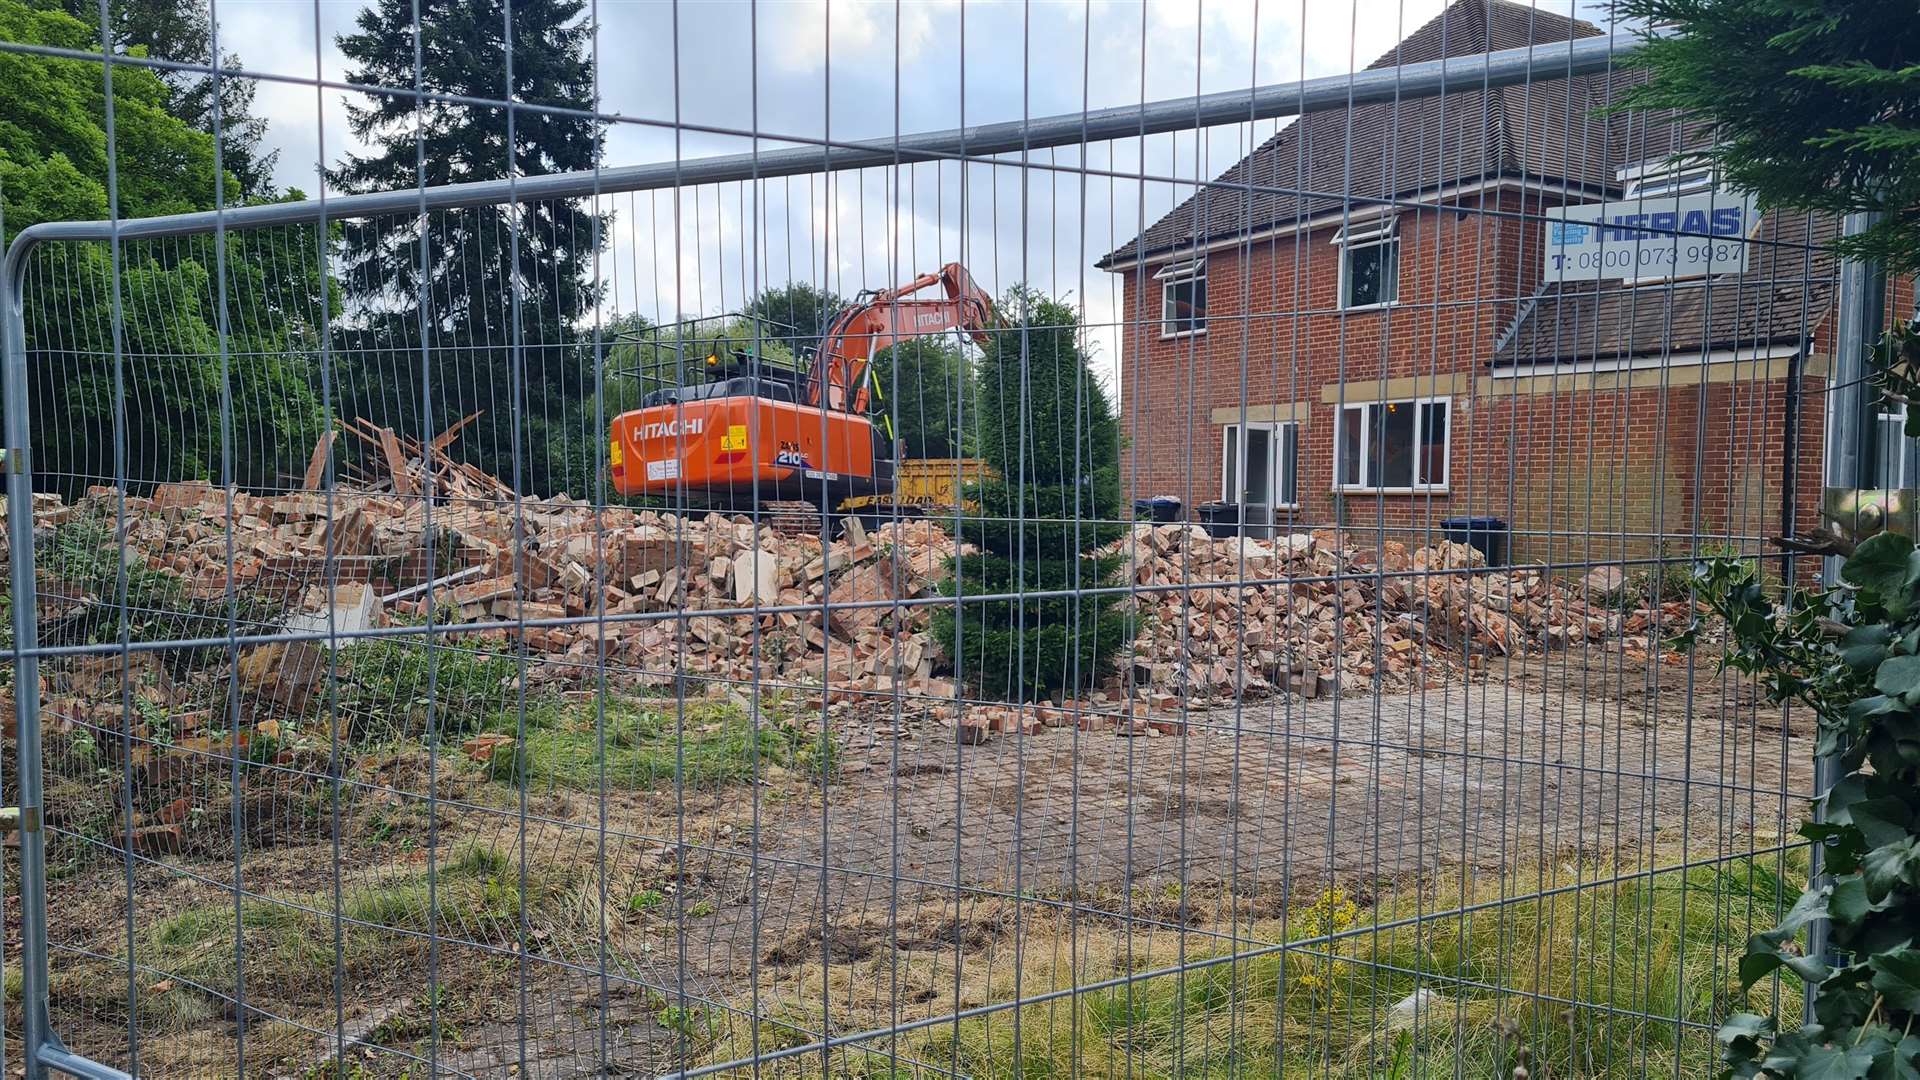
(1257, 472)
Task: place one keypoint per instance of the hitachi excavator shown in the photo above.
(744, 432)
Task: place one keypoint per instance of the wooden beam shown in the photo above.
(396, 463)
(445, 438)
(317, 465)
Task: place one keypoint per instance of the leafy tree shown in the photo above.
(1814, 104)
(182, 30)
(1048, 429)
(801, 312)
(919, 384)
(54, 166)
(481, 258)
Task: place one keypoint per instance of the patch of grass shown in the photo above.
(1472, 991)
(646, 746)
(477, 895)
(389, 682)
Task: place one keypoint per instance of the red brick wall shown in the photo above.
(1629, 468)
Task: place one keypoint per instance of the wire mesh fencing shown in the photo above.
(1183, 583)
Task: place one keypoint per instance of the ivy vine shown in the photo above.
(1851, 654)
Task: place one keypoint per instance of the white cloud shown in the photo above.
(865, 230)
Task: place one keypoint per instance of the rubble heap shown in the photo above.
(1221, 618)
(544, 563)
(1247, 617)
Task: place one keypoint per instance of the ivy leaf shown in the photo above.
(1764, 954)
(1900, 677)
(1894, 864)
(1883, 820)
(1833, 1063)
(1882, 565)
(1899, 732)
(1849, 902)
(1896, 975)
(1840, 798)
(1845, 999)
(1743, 1036)
(1843, 844)
(1898, 1063)
(1865, 647)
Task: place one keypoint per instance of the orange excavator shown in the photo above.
(745, 431)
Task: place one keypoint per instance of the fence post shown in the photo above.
(26, 665)
(1852, 445)
(40, 1046)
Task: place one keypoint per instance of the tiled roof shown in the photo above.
(1543, 130)
(1784, 292)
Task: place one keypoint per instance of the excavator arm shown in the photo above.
(838, 379)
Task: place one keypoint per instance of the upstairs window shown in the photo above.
(1669, 182)
(1369, 263)
(1392, 446)
(1183, 298)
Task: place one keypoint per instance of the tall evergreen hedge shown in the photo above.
(1048, 428)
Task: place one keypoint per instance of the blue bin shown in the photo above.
(1487, 535)
(1160, 509)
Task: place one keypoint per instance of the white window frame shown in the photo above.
(1884, 416)
(1420, 486)
(1180, 273)
(1275, 445)
(1383, 231)
(1668, 177)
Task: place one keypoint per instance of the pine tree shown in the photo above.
(918, 384)
(474, 269)
(1814, 104)
(1048, 429)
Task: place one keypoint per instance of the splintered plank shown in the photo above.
(445, 439)
(317, 465)
(396, 462)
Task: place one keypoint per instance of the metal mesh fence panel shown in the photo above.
(1177, 579)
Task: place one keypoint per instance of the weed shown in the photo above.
(645, 901)
(690, 1022)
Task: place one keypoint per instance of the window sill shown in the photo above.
(1364, 308)
(1433, 489)
(1177, 334)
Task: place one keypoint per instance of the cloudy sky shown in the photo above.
(853, 69)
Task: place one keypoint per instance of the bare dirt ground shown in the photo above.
(700, 905)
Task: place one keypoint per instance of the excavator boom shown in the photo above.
(839, 376)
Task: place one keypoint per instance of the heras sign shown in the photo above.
(1650, 239)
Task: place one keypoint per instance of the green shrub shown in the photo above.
(1047, 427)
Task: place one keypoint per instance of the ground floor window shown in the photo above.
(1894, 453)
(1257, 468)
(1393, 445)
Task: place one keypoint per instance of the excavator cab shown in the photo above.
(731, 355)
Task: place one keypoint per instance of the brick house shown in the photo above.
(1354, 324)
